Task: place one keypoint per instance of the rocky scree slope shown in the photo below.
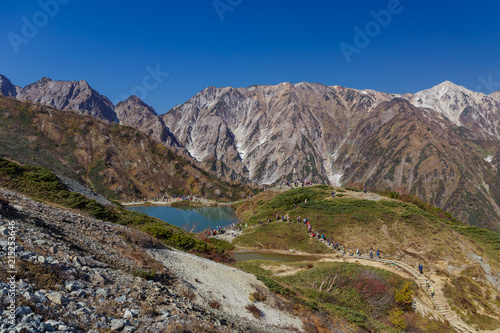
(79, 274)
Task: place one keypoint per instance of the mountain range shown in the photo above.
(441, 144)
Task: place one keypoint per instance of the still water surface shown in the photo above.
(195, 219)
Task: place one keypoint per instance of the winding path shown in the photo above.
(441, 309)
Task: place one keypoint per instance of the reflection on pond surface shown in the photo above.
(253, 255)
(195, 219)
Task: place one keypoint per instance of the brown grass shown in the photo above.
(108, 308)
(215, 305)
(254, 310)
(148, 311)
(43, 277)
(188, 293)
(257, 296)
(140, 238)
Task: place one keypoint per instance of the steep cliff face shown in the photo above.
(135, 113)
(77, 96)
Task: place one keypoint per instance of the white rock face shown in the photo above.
(461, 106)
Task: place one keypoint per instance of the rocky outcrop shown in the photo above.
(135, 113)
(408, 149)
(77, 96)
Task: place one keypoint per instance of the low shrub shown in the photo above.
(148, 275)
(396, 316)
(257, 297)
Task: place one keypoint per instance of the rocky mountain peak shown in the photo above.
(45, 79)
(135, 113)
(6, 87)
(448, 99)
(77, 96)
(496, 96)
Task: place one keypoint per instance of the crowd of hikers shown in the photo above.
(297, 183)
(233, 228)
(327, 240)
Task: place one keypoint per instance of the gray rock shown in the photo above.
(100, 278)
(117, 324)
(56, 298)
(79, 293)
(79, 261)
(102, 292)
(65, 328)
(40, 297)
(23, 310)
(72, 286)
(73, 306)
(4, 231)
(50, 259)
(128, 314)
(53, 249)
(40, 242)
(129, 329)
(165, 315)
(43, 327)
(22, 284)
(41, 260)
(121, 299)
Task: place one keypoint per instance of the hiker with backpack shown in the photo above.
(421, 268)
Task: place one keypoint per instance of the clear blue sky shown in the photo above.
(110, 44)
